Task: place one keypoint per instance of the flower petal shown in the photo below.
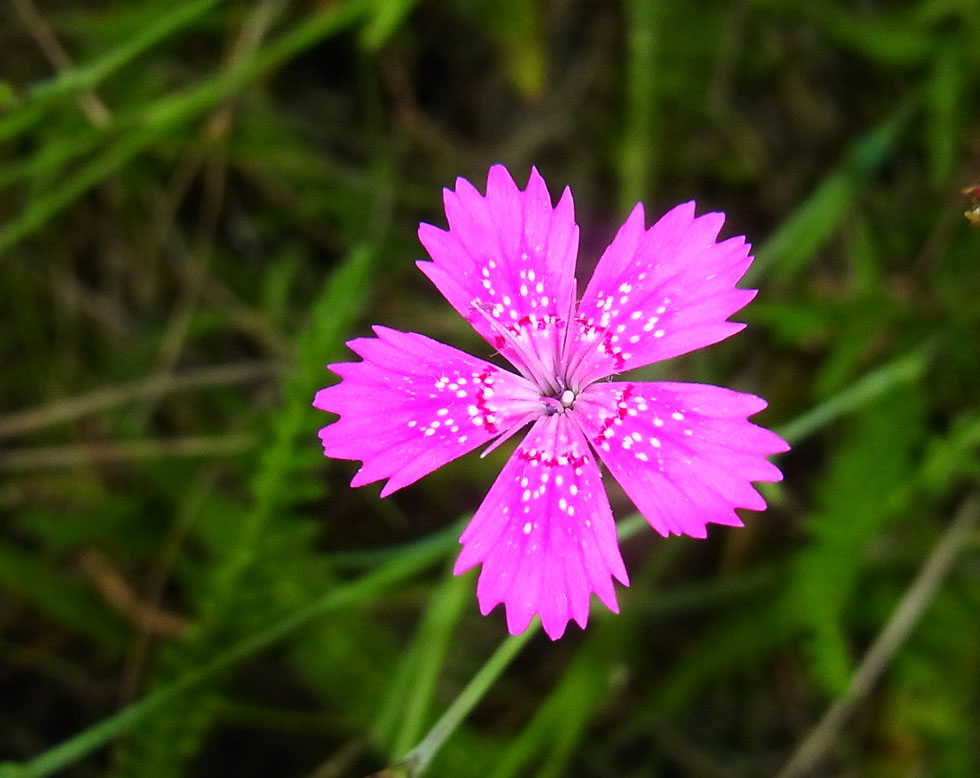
(507, 264)
(545, 533)
(658, 293)
(684, 453)
(414, 404)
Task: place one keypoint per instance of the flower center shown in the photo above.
(560, 403)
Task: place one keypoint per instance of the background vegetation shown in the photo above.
(202, 200)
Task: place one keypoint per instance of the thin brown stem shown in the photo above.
(93, 108)
(903, 620)
(105, 397)
(52, 457)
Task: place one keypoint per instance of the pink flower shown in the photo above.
(684, 453)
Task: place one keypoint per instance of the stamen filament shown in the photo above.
(529, 361)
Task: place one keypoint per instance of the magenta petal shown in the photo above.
(507, 264)
(684, 453)
(545, 534)
(414, 404)
(659, 293)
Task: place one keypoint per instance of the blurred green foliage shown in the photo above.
(200, 201)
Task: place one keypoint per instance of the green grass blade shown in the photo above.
(169, 112)
(638, 150)
(903, 370)
(414, 559)
(70, 82)
(787, 251)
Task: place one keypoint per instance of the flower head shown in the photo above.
(684, 453)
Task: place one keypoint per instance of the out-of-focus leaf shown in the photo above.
(516, 25)
(943, 107)
(388, 15)
(793, 246)
(865, 489)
